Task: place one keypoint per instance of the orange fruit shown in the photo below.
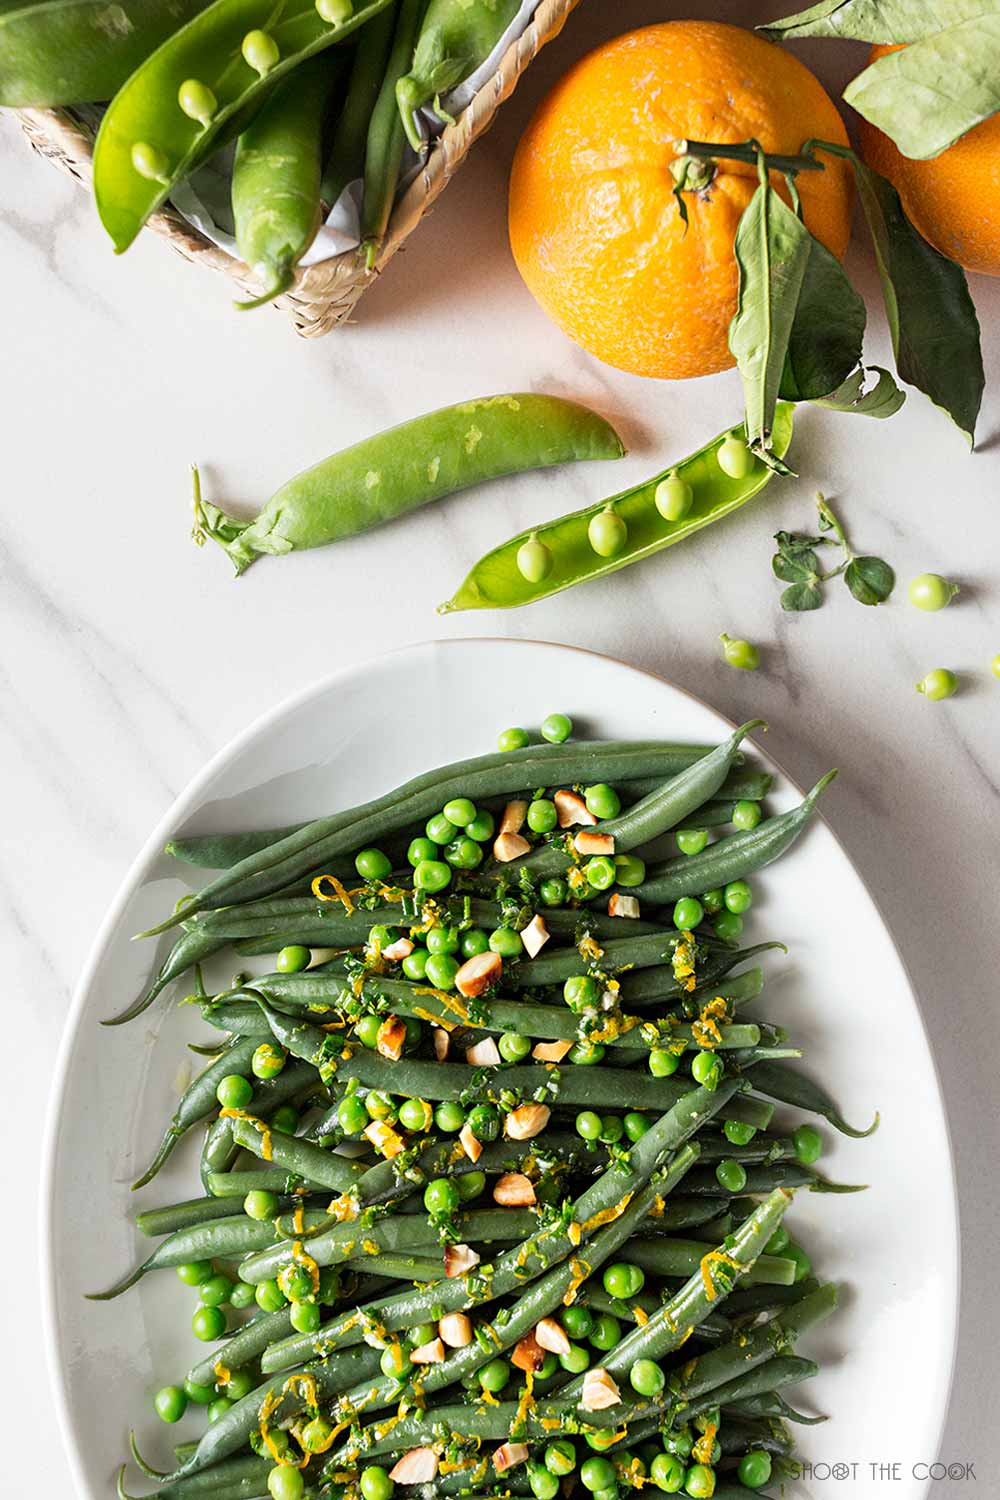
(953, 199)
(595, 229)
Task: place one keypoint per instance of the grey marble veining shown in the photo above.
(128, 656)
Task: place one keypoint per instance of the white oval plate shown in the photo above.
(842, 989)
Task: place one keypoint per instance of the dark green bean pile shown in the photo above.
(492, 1189)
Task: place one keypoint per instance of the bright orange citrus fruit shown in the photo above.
(953, 199)
(595, 229)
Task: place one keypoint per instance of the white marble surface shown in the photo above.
(128, 656)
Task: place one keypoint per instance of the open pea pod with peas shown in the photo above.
(599, 539)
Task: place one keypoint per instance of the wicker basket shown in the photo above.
(324, 294)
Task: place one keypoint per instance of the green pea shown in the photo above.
(432, 875)
(284, 1482)
(542, 815)
(512, 739)
(636, 1125)
(623, 1280)
(395, 1362)
(938, 684)
(241, 1295)
(808, 1145)
(150, 162)
(441, 970)
(268, 1060)
(754, 1469)
(778, 1242)
(544, 1486)
(201, 1395)
(691, 840)
(240, 1384)
(449, 1116)
(600, 872)
(335, 12)
(414, 965)
(352, 1116)
(597, 1473)
(470, 1185)
(416, 1114)
(706, 1069)
(443, 940)
(218, 1408)
(420, 850)
(440, 829)
(746, 814)
(482, 828)
(606, 1332)
(316, 1435)
(667, 1473)
(216, 1290)
(713, 901)
(699, 1481)
(728, 925)
(560, 1457)
(688, 912)
(741, 654)
(581, 992)
(553, 892)
(269, 1296)
(737, 1133)
(734, 457)
(305, 1317)
(208, 1324)
(803, 1265)
(366, 1029)
(194, 1272)
(738, 897)
(197, 101)
(484, 1122)
(629, 869)
(234, 1091)
(932, 592)
(673, 497)
(577, 1320)
(513, 1047)
(464, 853)
(585, 1054)
(494, 1375)
(607, 533)
(557, 728)
(534, 560)
(663, 1062)
(293, 959)
(170, 1403)
(372, 864)
(380, 1106)
(441, 1197)
(646, 1378)
(506, 942)
(731, 1175)
(260, 52)
(375, 1483)
(575, 1360)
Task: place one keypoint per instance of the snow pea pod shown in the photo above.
(346, 158)
(80, 51)
(396, 471)
(457, 35)
(201, 85)
(276, 177)
(386, 136)
(567, 557)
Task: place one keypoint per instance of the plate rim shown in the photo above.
(186, 802)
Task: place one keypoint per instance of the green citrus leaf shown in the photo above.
(883, 399)
(928, 95)
(827, 332)
(802, 596)
(877, 20)
(870, 580)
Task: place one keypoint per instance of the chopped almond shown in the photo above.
(623, 906)
(534, 936)
(400, 949)
(513, 818)
(528, 1354)
(419, 1466)
(513, 1190)
(552, 1336)
(572, 809)
(428, 1354)
(478, 973)
(391, 1038)
(527, 1121)
(508, 846)
(508, 1456)
(472, 1146)
(384, 1138)
(594, 843)
(456, 1330)
(599, 1390)
(551, 1051)
(442, 1043)
(458, 1259)
(484, 1054)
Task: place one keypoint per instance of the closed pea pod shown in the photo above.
(575, 541)
(237, 49)
(276, 177)
(388, 475)
(457, 35)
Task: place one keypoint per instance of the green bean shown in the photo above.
(386, 137)
(677, 1258)
(642, 986)
(66, 52)
(779, 1174)
(773, 1375)
(656, 813)
(737, 1438)
(770, 1404)
(762, 1149)
(220, 1239)
(296, 1155)
(242, 1477)
(499, 774)
(244, 1348)
(276, 177)
(496, 581)
(714, 1329)
(156, 1221)
(733, 857)
(457, 35)
(346, 157)
(218, 851)
(789, 1086)
(238, 1184)
(235, 51)
(220, 1150)
(198, 1102)
(748, 1301)
(394, 472)
(628, 953)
